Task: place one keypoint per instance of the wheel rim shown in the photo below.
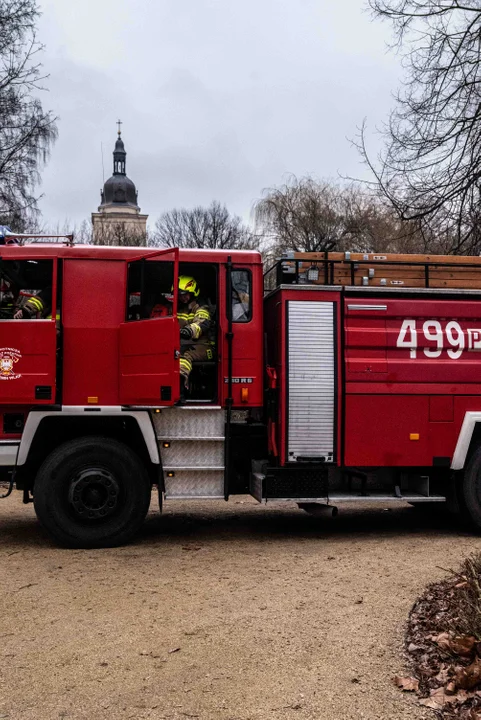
(93, 494)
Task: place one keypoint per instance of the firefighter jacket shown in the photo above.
(196, 319)
(38, 305)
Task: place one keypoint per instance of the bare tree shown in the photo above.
(209, 228)
(26, 130)
(301, 215)
(116, 233)
(109, 232)
(430, 169)
(307, 215)
(82, 233)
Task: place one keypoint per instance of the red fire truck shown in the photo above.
(341, 383)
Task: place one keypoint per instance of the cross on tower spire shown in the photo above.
(119, 153)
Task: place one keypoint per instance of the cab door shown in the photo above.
(28, 347)
(149, 337)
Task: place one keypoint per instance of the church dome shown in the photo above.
(119, 190)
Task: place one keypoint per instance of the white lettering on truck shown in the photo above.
(452, 338)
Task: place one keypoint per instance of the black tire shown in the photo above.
(471, 490)
(92, 492)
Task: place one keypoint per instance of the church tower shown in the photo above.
(118, 220)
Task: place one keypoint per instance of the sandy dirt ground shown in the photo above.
(218, 611)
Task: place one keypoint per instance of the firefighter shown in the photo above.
(195, 322)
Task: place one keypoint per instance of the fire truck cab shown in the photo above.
(96, 375)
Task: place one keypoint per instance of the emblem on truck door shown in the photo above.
(8, 358)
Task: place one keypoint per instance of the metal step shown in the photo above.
(257, 491)
(194, 482)
(210, 438)
(192, 443)
(193, 468)
(194, 497)
(336, 499)
(193, 453)
(189, 422)
(376, 496)
(361, 499)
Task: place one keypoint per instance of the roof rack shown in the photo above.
(376, 270)
(9, 238)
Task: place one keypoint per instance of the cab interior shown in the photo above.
(203, 378)
(149, 294)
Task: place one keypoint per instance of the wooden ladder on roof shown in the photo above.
(382, 270)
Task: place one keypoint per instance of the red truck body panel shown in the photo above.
(407, 391)
(408, 370)
(148, 361)
(91, 320)
(247, 345)
(276, 320)
(27, 361)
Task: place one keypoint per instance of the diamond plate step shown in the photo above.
(191, 441)
(195, 483)
(189, 422)
(194, 453)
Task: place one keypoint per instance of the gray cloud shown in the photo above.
(219, 99)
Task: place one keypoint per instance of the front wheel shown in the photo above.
(92, 492)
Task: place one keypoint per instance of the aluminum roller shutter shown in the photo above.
(311, 378)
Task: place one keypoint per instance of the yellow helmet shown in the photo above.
(188, 284)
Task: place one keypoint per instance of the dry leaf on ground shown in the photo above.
(436, 699)
(439, 698)
(468, 678)
(409, 684)
(443, 640)
(463, 645)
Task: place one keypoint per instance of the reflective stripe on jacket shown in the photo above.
(198, 318)
(39, 305)
(34, 305)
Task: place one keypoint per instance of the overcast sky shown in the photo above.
(219, 98)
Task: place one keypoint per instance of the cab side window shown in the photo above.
(241, 296)
(149, 289)
(26, 289)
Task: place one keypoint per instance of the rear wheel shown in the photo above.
(92, 492)
(471, 490)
